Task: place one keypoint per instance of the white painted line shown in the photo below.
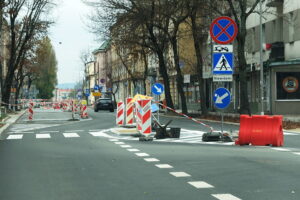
(42, 136)
(96, 130)
(200, 184)
(49, 131)
(164, 166)
(119, 143)
(225, 197)
(180, 174)
(72, 131)
(142, 154)
(297, 153)
(290, 133)
(151, 159)
(133, 150)
(280, 149)
(126, 146)
(96, 134)
(14, 137)
(114, 140)
(71, 135)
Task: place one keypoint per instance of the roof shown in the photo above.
(103, 47)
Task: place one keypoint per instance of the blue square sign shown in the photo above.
(222, 63)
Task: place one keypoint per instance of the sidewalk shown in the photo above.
(233, 118)
(10, 119)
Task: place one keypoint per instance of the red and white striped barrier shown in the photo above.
(84, 113)
(138, 115)
(145, 112)
(30, 111)
(129, 111)
(184, 115)
(120, 114)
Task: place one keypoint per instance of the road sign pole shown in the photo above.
(157, 97)
(222, 121)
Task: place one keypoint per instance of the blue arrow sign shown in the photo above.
(157, 88)
(222, 98)
(96, 87)
(222, 63)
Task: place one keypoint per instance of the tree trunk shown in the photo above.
(244, 102)
(164, 74)
(199, 64)
(179, 78)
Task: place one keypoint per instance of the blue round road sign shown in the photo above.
(222, 98)
(157, 88)
(223, 30)
(96, 87)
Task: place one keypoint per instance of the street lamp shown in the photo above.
(261, 58)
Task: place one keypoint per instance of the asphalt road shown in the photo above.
(53, 158)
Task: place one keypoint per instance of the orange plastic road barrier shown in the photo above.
(260, 130)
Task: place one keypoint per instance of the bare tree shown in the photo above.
(25, 20)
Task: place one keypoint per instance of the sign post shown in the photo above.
(157, 89)
(222, 98)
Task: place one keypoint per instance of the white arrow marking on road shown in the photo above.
(220, 99)
(157, 88)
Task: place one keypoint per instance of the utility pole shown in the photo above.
(261, 58)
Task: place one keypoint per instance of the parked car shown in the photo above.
(104, 104)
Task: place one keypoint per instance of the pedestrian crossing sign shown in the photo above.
(222, 63)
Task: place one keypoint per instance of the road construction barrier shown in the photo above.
(260, 130)
(129, 111)
(30, 111)
(84, 113)
(138, 115)
(145, 112)
(120, 113)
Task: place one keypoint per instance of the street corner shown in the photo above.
(125, 131)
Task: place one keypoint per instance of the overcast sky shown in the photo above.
(71, 31)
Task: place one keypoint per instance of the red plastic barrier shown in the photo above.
(260, 130)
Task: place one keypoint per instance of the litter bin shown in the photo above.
(175, 132)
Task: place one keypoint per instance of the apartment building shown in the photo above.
(281, 56)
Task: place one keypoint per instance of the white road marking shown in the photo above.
(280, 149)
(15, 137)
(180, 174)
(297, 153)
(96, 134)
(290, 133)
(225, 197)
(151, 159)
(72, 131)
(126, 146)
(119, 143)
(142, 154)
(200, 184)
(164, 166)
(96, 130)
(71, 135)
(114, 140)
(49, 131)
(42, 136)
(133, 150)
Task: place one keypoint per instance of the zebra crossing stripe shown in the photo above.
(15, 137)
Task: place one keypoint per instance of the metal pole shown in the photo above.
(261, 59)
(222, 121)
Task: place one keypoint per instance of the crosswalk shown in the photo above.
(186, 136)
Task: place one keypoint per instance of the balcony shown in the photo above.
(274, 3)
(277, 51)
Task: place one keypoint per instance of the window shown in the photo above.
(288, 85)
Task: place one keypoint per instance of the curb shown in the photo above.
(13, 120)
